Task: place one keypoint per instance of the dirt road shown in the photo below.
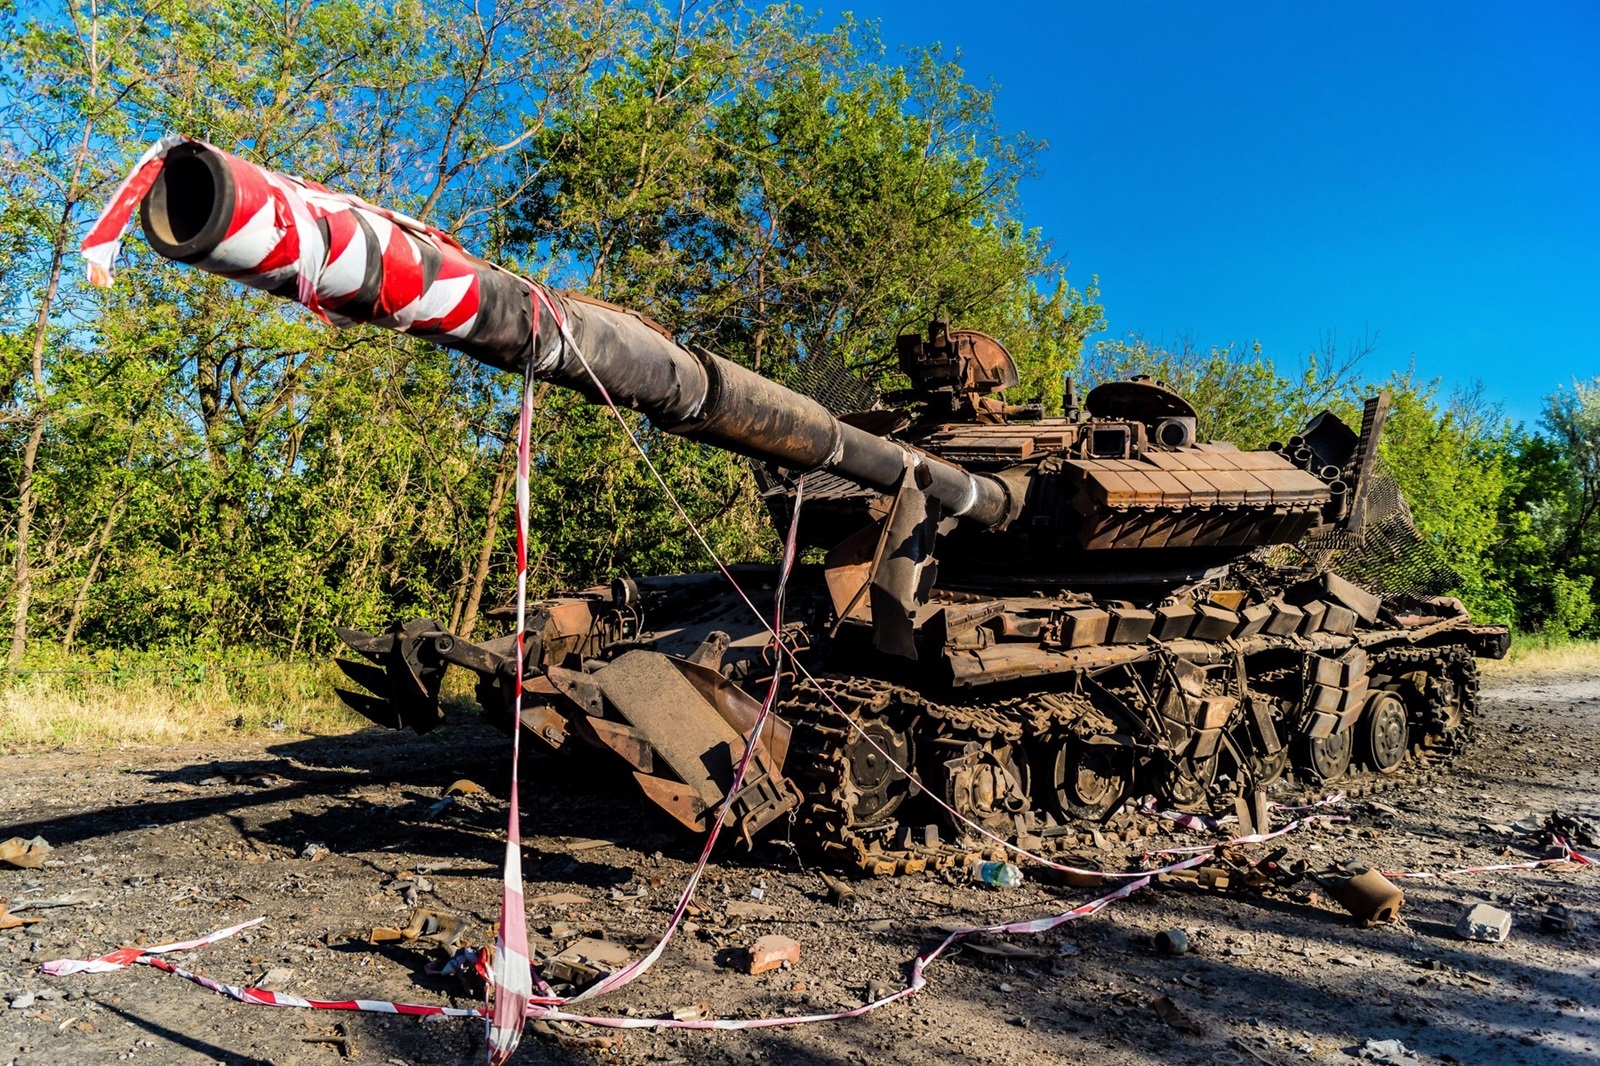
(168, 844)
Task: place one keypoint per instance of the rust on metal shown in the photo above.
(1028, 617)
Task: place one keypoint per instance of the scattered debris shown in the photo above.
(1557, 919)
(573, 1040)
(843, 894)
(693, 1012)
(338, 1037)
(410, 884)
(80, 898)
(1171, 942)
(1079, 878)
(586, 960)
(24, 854)
(11, 921)
(1170, 1013)
(314, 851)
(771, 952)
(1371, 897)
(275, 980)
(260, 780)
(587, 844)
(998, 874)
(999, 949)
(1582, 830)
(1484, 923)
(438, 927)
(749, 911)
(1388, 1052)
(1528, 823)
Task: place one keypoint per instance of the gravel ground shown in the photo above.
(166, 844)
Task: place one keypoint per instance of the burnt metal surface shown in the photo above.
(1036, 621)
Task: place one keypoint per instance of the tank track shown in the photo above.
(985, 755)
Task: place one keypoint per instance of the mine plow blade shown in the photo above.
(373, 645)
(374, 708)
(684, 729)
(678, 724)
(372, 678)
(404, 683)
(1019, 619)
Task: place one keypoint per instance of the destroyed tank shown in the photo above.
(1038, 619)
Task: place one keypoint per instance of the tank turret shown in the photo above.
(1021, 623)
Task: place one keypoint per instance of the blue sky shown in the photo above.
(1423, 174)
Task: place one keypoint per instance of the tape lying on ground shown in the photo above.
(1567, 855)
(125, 956)
(290, 246)
(537, 1011)
(554, 1011)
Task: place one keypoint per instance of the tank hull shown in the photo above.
(1024, 720)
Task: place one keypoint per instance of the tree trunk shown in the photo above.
(101, 541)
(22, 572)
(27, 497)
(503, 479)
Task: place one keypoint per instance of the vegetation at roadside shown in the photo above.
(1540, 653)
(165, 696)
(187, 464)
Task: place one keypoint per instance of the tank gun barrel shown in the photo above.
(355, 262)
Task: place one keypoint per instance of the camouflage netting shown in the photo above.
(825, 378)
(1390, 557)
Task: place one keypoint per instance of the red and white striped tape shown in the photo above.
(554, 1011)
(122, 957)
(1567, 855)
(511, 975)
(273, 239)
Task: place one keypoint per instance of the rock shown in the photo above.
(24, 854)
(1484, 923)
(1170, 1013)
(1388, 1052)
(771, 953)
(1558, 919)
(275, 979)
(749, 911)
(22, 1001)
(314, 851)
(1171, 942)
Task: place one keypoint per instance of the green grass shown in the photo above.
(1540, 653)
(150, 697)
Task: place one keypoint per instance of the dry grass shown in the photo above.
(1534, 654)
(132, 703)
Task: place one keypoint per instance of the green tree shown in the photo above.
(1550, 521)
